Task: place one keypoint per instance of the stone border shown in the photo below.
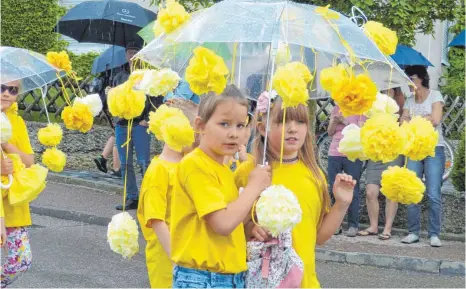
(404, 263)
(97, 185)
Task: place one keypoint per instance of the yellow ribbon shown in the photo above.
(128, 139)
(233, 64)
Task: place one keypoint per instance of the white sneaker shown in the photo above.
(435, 241)
(411, 238)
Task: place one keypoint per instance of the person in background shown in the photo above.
(373, 177)
(338, 163)
(428, 104)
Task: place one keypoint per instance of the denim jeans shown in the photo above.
(192, 278)
(433, 169)
(338, 165)
(140, 140)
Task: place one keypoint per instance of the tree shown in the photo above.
(29, 24)
(457, 176)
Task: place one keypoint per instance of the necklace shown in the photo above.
(288, 161)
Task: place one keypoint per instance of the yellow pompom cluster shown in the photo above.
(385, 39)
(382, 138)
(278, 210)
(421, 138)
(123, 234)
(206, 72)
(330, 76)
(350, 145)
(78, 117)
(60, 60)
(402, 186)
(290, 81)
(159, 82)
(54, 159)
(50, 135)
(170, 17)
(171, 126)
(125, 102)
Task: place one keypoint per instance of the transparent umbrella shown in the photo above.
(254, 31)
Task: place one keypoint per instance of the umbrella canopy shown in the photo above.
(107, 22)
(109, 59)
(459, 40)
(29, 67)
(405, 55)
(254, 30)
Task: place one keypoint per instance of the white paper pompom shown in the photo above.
(5, 126)
(123, 234)
(278, 210)
(93, 101)
(383, 104)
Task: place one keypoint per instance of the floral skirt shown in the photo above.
(19, 256)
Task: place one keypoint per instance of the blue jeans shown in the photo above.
(140, 140)
(338, 165)
(433, 169)
(192, 278)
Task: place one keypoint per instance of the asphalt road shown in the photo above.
(71, 254)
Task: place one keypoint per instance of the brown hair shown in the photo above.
(210, 102)
(306, 154)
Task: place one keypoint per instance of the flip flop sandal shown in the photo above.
(365, 233)
(384, 237)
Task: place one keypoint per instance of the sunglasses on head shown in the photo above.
(13, 90)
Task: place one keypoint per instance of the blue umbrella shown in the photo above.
(113, 57)
(459, 40)
(405, 55)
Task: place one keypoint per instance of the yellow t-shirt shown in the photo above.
(299, 179)
(17, 216)
(204, 186)
(154, 204)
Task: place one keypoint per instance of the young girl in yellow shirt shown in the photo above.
(207, 238)
(300, 174)
(154, 205)
(17, 218)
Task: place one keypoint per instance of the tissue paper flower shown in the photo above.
(382, 138)
(156, 83)
(158, 118)
(206, 72)
(421, 138)
(54, 159)
(385, 39)
(59, 60)
(122, 235)
(401, 185)
(278, 210)
(93, 101)
(50, 135)
(290, 86)
(177, 132)
(78, 117)
(5, 126)
(350, 145)
(171, 17)
(354, 95)
(125, 102)
(330, 76)
(302, 69)
(383, 104)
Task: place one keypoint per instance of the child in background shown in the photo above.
(154, 205)
(206, 231)
(299, 173)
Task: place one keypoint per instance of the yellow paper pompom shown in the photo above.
(354, 95)
(283, 54)
(50, 135)
(78, 117)
(401, 185)
(59, 60)
(158, 118)
(161, 82)
(177, 132)
(206, 72)
(54, 159)
(290, 86)
(421, 138)
(125, 102)
(385, 39)
(278, 210)
(330, 76)
(171, 17)
(383, 104)
(5, 126)
(123, 234)
(302, 69)
(351, 145)
(382, 138)
(327, 13)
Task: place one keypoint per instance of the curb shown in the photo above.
(70, 215)
(98, 185)
(404, 263)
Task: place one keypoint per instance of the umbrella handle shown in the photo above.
(7, 186)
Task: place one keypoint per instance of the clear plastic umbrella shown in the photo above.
(254, 31)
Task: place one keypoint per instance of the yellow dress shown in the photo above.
(154, 204)
(204, 186)
(299, 179)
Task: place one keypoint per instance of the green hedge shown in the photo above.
(82, 63)
(457, 176)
